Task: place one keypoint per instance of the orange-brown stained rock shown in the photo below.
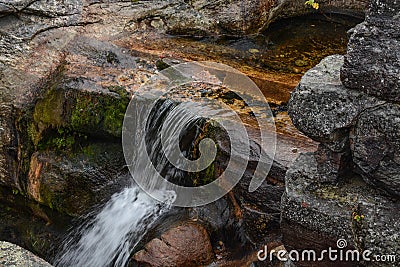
(185, 245)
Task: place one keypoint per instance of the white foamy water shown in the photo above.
(108, 239)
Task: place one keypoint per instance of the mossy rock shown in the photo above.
(98, 114)
(73, 182)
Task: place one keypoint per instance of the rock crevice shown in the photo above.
(350, 187)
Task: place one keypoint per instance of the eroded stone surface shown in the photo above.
(332, 209)
(184, 245)
(323, 109)
(14, 256)
(376, 147)
(372, 63)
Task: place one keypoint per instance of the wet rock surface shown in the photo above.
(66, 74)
(73, 184)
(183, 245)
(12, 256)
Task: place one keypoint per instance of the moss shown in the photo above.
(114, 116)
(61, 139)
(209, 175)
(211, 130)
(94, 114)
(49, 110)
(86, 113)
(80, 112)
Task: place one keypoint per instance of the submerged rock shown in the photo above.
(14, 256)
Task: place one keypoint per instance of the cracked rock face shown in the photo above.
(372, 63)
(22, 20)
(352, 108)
(329, 209)
(375, 143)
(323, 109)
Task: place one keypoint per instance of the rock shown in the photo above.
(185, 245)
(290, 8)
(22, 21)
(376, 148)
(8, 164)
(59, 105)
(332, 210)
(301, 63)
(13, 256)
(332, 165)
(372, 63)
(323, 109)
(31, 225)
(215, 216)
(201, 17)
(324, 199)
(73, 184)
(383, 9)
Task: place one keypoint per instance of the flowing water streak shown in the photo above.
(109, 238)
(149, 141)
(119, 226)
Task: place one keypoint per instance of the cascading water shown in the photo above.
(110, 236)
(156, 123)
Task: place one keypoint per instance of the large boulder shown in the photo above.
(323, 109)
(351, 210)
(184, 245)
(201, 17)
(375, 143)
(72, 183)
(372, 63)
(291, 8)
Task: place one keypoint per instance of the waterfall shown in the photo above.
(110, 236)
(162, 124)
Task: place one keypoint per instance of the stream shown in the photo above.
(114, 230)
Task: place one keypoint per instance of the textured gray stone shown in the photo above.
(233, 17)
(375, 146)
(332, 166)
(331, 209)
(322, 108)
(372, 63)
(14, 256)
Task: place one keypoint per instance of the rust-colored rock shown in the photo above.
(185, 245)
